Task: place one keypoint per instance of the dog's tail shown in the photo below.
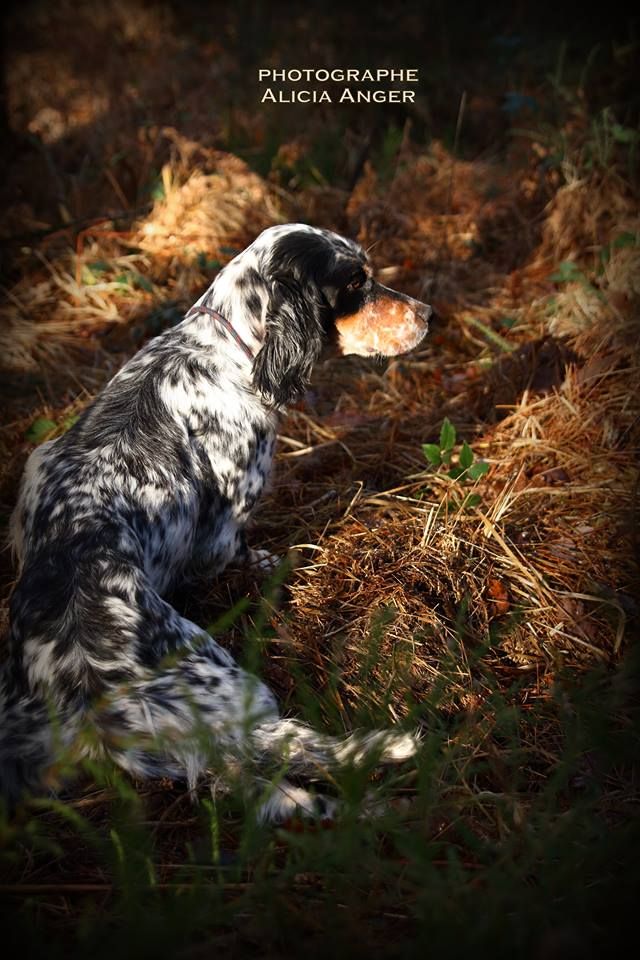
(304, 752)
(205, 716)
(307, 752)
(200, 716)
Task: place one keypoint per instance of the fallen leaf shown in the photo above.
(498, 596)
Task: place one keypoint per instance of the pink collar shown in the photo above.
(200, 308)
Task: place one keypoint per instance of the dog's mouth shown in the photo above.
(387, 324)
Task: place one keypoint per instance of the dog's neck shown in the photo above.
(225, 324)
(240, 296)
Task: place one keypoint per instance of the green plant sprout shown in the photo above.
(43, 428)
(466, 469)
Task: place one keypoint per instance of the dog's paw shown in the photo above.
(264, 561)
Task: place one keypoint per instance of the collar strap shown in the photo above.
(200, 308)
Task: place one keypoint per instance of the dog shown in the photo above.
(154, 484)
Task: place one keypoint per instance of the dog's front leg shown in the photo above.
(262, 560)
(220, 540)
(218, 547)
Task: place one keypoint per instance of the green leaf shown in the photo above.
(508, 322)
(69, 421)
(432, 453)
(157, 189)
(624, 134)
(466, 456)
(142, 282)
(568, 272)
(91, 272)
(98, 266)
(447, 435)
(39, 430)
(205, 263)
(626, 239)
(478, 470)
(471, 500)
(455, 472)
(622, 240)
(450, 505)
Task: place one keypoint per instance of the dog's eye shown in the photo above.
(357, 280)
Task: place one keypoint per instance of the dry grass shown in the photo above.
(549, 401)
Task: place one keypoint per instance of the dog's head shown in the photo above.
(321, 293)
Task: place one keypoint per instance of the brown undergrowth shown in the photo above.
(538, 377)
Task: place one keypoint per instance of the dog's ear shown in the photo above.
(293, 341)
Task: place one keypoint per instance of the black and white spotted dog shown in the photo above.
(156, 480)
